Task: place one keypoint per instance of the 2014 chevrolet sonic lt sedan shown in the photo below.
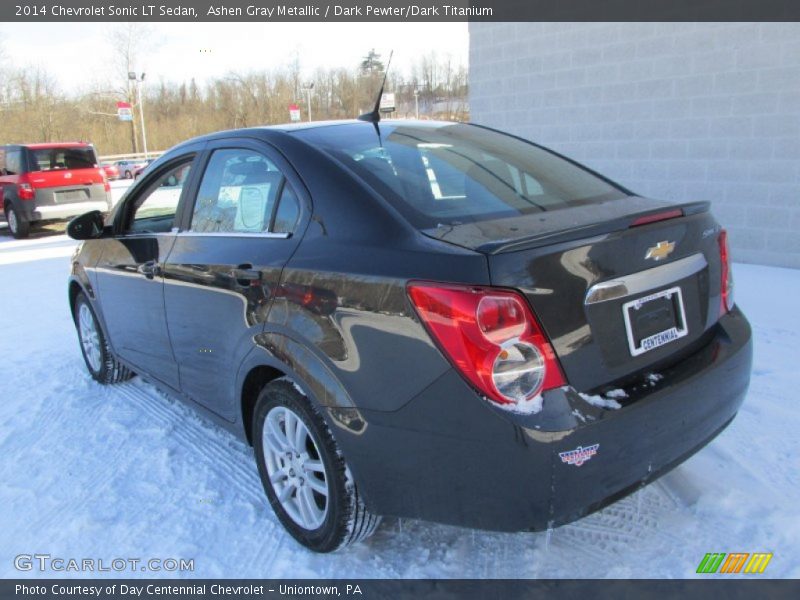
(417, 319)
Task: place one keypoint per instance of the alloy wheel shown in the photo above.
(11, 219)
(295, 468)
(90, 338)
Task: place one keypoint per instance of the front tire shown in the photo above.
(100, 361)
(304, 475)
(18, 225)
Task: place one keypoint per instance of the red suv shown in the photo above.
(47, 182)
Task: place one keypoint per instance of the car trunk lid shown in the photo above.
(615, 299)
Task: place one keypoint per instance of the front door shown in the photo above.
(130, 281)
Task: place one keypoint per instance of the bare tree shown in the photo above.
(130, 44)
(34, 109)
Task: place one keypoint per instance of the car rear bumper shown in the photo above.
(445, 457)
(66, 211)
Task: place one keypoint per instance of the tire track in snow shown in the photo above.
(613, 530)
(193, 432)
(197, 438)
(201, 441)
(91, 488)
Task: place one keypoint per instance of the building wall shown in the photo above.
(680, 111)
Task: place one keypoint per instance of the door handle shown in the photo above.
(149, 269)
(246, 274)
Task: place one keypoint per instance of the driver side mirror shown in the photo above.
(87, 226)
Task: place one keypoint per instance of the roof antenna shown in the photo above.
(375, 116)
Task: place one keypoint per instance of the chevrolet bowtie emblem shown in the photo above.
(660, 251)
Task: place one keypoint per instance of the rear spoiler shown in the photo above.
(634, 219)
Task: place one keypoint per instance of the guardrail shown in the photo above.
(130, 156)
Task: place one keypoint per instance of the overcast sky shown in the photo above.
(78, 54)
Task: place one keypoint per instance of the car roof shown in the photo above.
(289, 127)
(296, 127)
(273, 133)
(48, 145)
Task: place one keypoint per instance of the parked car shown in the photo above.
(139, 170)
(47, 182)
(418, 319)
(111, 171)
(127, 168)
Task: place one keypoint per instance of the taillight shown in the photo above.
(25, 191)
(726, 283)
(104, 176)
(493, 340)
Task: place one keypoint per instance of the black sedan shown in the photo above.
(416, 319)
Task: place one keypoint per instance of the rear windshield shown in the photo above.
(50, 159)
(459, 173)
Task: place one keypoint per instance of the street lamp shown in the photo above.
(308, 87)
(139, 81)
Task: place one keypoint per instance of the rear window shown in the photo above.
(51, 159)
(459, 173)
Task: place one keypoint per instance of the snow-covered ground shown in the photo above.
(107, 472)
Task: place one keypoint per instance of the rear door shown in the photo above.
(129, 274)
(225, 266)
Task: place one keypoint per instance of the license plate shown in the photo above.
(654, 320)
(70, 196)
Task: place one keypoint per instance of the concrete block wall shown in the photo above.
(680, 111)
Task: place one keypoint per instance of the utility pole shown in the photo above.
(308, 87)
(139, 81)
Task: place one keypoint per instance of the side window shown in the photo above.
(154, 211)
(11, 164)
(288, 211)
(237, 194)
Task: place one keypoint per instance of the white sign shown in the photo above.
(387, 103)
(124, 111)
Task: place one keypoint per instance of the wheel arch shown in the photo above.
(73, 290)
(254, 381)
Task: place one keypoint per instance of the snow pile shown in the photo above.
(599, 401)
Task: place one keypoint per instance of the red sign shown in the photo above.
(124, 111)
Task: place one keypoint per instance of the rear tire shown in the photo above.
(304, 474)
(100, 361)
(18, 224)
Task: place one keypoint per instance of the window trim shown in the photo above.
(242, 234)
(124, 218)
